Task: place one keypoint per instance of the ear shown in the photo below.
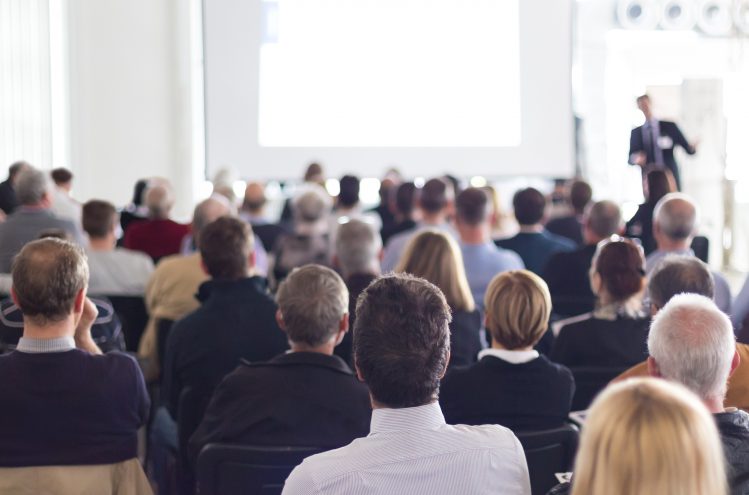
(358, 372)
(343, 326)
(654, 309)
(595, 282)
(279, 321)
(202, 265)
(251, 259)
(653, 368)
(14, 296)
(447, 362)
(735, 363)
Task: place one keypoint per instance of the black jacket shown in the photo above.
(638, 142)
(8, 200)
(355, 284)
(465, 337)
(296, 399)
(734, 433)
(567, 277)
(528, 396)
(641, 227)
(237, 320)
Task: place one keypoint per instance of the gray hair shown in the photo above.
(159, 200)
(678, 274)
(312, 301)
(207, 211)
(357, 248)
(311, 204)
(676, 216)
(604, 218)
(692, 343)
(31, 186)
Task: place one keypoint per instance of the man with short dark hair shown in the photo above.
(8, 199)
(533, 243)
(64, 403)
(306, 397)
(571, 225)
(63, 205)
(410, 448)
(253, 212)
(481, 257)
(403, 203)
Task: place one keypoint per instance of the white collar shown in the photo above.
(426, 417)
(43, 346)
(514, 357)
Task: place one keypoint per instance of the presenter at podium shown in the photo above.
(651, 146)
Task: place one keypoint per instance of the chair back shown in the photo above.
(548, 452)
(192, 406)
(240, 469)
(589, 381)
(133, 316)
(701, 247)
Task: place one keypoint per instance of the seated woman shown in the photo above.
(511, 385)
(649, 436)
(615, 334)
(435, 256)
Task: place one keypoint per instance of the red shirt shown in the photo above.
(156, 238)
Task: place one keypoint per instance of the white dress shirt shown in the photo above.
(413, 451)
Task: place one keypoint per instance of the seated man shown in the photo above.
(306, 397)
(8, 199)
(410, 448)
(113, 271)
(691, 342)
(571, 225)
(686, 274)
(533, 243)
(64, 403)
(34, 192)
(253, 212)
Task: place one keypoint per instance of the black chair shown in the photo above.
(163, 328)
(134, 317)
(192, 406)
(548, 452)
(238, 469)
(589, 382)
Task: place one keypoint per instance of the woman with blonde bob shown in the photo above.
(649, 436)
(512, 384)
(435, 256)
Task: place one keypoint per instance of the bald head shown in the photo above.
(159, 201)
(675, 219)
(207, 211)
(602, 220)
(254, 198)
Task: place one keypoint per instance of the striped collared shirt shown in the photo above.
(413, 451)
(41, 346)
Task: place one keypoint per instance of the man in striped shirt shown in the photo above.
(401, 350)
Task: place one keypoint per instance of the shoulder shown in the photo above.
(560, 242)
(571, 325)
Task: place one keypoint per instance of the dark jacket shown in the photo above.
(639, 141)
(567, 276)
(8, 200)
(465, 337)
(568, 226)
(536, 248)
(355, 284)
(527, 396)
(295, 399)
(734, 433)
(236, 320)
(640, 226)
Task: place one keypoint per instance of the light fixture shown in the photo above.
(678, 15)
(714, 17)
(638, 14)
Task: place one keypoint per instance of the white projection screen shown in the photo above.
(471, 87)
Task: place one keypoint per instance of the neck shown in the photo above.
(533, 229)
(326, 348)
(669, 245)
(101, 243)
(591, 238)
(497, 345)
(473, 234)
(714, 405)
(379, 405)
(64, 328)
(433, 218)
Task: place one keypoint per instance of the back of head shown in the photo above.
(676, 216)
(314, 173)
(472, 207)
(254, 197)
(435, 256)
(31, 186)
(529, 205)
(580, 195)
(518, 306)
(159, 201)
(357, 248)
(435, 196)
(61, 176)
(17, 167)
(225, 247)
(138, 191)
(311, 205)
(405, 198)
(621, 266)
(659, 183)
(647, 436)
(47, 276)
(604, 219)
(99, 218)
(349, 191)
(312, 300)
(402, 340)
(693, 344)
(207, 211)
(677, 275)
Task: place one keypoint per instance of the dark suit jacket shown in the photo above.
(638, 142)
(8, 201)
(268, 234)
(567, 277)
(535, 248)
(355, 284)
(528, 396)
(295, 399)
(465, 339)
(640, 226)
(568, 226)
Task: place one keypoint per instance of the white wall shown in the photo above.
(130, 97)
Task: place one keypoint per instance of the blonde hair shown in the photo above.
(518, 306)
(647, 435)
(435, 256)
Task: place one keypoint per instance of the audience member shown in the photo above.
(614, 334)
(63, 205)
(482, 259)
(533, 243)
(403, 204)
(158, 236)
(8, 199)
(64, 403)
(306, 397)
(571, 226)
(649, 436)
(33, 216)
(136, 211)
(348, 207)
(567, 273)
(310, 240)
(686, 274)
(435, 203)
(253, 212)
(435, 256)
(113, 271)
(511, 385)
(388, 187)
(691, 342)
(675, 222)
(402, 349)
(357, 257)
(501, 223)
(312, 175)
(658, 183)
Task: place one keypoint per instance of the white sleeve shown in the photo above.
(299, 482)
